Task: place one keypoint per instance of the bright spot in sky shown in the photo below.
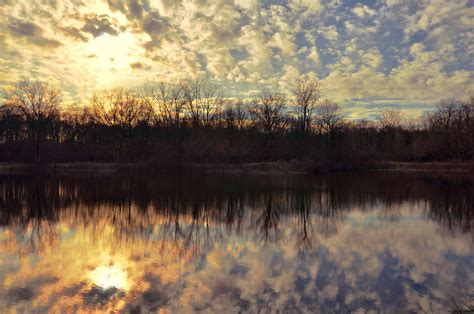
(107, 277)
(110, 58)
(113, 49)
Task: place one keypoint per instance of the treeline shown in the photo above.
(191, 122)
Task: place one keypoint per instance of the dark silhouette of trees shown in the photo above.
(11, 128)
(329, 117)
(307, 95)
(38, 105)
(453, 125)
(202, 102)
(391, 131)
(234, 116)
(267, 112)
(390, 119)
(122, 110)
(190, 121)
(73, 126)
(169, 102)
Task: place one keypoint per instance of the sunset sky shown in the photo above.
(369, 55)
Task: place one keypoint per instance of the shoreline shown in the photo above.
(291, 167)
(440, 167)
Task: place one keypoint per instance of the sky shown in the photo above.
(369, 55)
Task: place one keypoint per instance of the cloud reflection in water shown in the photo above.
(343, 243)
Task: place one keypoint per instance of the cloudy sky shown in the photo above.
(369, 55)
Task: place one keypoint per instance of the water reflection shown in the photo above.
(109, 277)
(181, 243)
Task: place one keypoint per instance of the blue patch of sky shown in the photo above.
(276, 61)
(326, 56)
(418, 37)
(202, 60)
(398, 105)
(239, 53)
(301, 41)
(389, 39)
(414, 6)
(244, 19)
(268, 3)
(354, 3)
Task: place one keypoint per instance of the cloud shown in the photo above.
(141, 16)
(155, 25)
(98, 25)
(309, 5)
(418, 51)
(31, 33)
(330, 32)
(363, 10)
(314, 56)
(135, 8)
(73, 32)
(139, 66)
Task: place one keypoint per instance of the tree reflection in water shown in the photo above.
(136, 242)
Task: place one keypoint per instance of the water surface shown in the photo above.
(226, 244)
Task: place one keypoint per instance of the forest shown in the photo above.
(191, 121)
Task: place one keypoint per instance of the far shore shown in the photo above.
(254, 168)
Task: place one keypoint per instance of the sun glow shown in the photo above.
(111, 57)
(108, 277)
(112, 49)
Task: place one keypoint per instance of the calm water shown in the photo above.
(227, 244)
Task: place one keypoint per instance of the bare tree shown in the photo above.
(307, 95)
(169, 100)
(453, 121)
(268, 113)
(234, 115)
(39, 104)
(329, 117)
(202, 102)
(241, 115)
(228, 117)
(12, 128)
(390, 119)
(74, 123)
(122, 109)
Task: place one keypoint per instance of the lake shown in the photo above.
(187, 243)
